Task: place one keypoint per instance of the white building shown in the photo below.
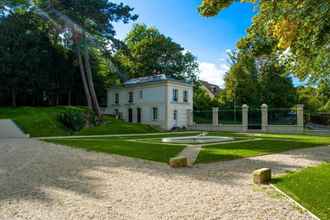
(156, 100)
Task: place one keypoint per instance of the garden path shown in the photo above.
(40, 180)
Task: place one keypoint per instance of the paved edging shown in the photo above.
(9, 129)
(294, 201)
(114, 135)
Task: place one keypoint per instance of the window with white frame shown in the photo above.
(141, 94)
(130, 97)
(175, 95)
(185, 96)
(117, 98)
(175, 115)
(154, 114)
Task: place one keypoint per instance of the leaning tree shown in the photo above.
(84, 24)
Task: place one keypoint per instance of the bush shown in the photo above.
(73, 120)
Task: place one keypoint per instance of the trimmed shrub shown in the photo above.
(72, 119)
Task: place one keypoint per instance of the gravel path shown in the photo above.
(46, 181)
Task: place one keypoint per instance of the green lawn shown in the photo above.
(310, 187)
(270, 143)
(150, 148)
(42, 122)
(124, 147)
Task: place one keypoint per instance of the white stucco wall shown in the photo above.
(156, 94)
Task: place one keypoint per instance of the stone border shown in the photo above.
(294, 201)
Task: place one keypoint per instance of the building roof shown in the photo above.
(153, 78)
(212, 88)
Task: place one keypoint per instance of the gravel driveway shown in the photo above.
(46, 181)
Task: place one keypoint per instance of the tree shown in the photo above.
(149, 52)
(86, 22)
(241, 85)
(298, 32)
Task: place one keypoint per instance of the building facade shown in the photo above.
(155, 100)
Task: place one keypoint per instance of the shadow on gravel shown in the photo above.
(32, 170)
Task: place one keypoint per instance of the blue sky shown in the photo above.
(207, 38)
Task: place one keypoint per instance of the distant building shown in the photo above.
(156, 100)
(211, 89)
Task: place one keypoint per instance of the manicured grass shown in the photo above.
(124, 147)
(269, 143)
(36, 121)
(113, 126)
(42, 122)
(310, 187)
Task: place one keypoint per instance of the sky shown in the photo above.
(209, 39)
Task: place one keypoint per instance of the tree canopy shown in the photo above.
(148, 52)
(298, 32)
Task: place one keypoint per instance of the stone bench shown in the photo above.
(177, 162)
(262, 176)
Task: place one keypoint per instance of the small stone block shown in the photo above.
(176, 162)
(262, 176)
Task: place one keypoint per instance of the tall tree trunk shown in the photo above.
(91, 83)
(13, 97)
(83, 78)
(69, 97)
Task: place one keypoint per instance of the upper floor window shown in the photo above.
(154, 114)
(141, 94)
(130, 97)
(175, 95)
(116, 98)
(185, 96)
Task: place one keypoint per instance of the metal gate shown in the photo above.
(254, 119)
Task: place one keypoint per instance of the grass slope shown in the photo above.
(310, 187)
(270, 143)
(42, 122)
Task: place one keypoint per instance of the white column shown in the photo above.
(190, 119)
(300, 118)
(215, 115)
(245, 117)
(264, 117)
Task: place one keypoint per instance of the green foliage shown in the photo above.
(72, 120)
(149, 52)
(309, 187)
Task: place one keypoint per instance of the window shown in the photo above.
(175, 95)
(185, 96)
(116, 98)
(141, 94)
(130, 97)
(154, 114)
(175, 115)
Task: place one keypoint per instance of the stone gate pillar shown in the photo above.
(215, 116)
(245, 117)
(264, 117)
(300, 118)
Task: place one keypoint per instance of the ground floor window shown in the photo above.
(175, 115)
(154, 114)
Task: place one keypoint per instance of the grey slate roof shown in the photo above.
(153, 78)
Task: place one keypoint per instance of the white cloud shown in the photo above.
(213, 73)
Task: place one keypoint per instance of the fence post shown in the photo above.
(300, 118)
(215, 116)
(264, 117)
(190, 120)
(245, 117)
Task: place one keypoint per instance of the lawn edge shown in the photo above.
(292, 200)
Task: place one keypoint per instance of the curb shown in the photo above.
(295, 202)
